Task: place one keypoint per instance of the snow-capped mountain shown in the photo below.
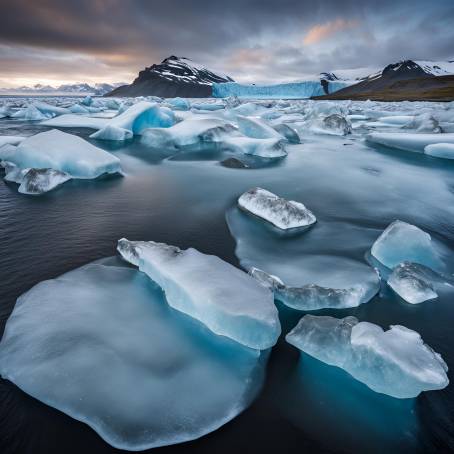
(174, 76)
(70, 89)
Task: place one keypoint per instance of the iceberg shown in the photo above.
(281, 213)
(288, 132)
(100, 344)
(76, 121)
(228, 301)
(179, 103)
(114, 133)
(395, 362)
(62, 152)
(296, 90)
(256, 128)
(30, 113)
(78, 109)
(208, 106)
(333, 124)
(409, 141)
(440, 150)
(412, 283)
(312, 297)
(264, 148)
(402, 242)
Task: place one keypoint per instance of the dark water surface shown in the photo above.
(305, 405)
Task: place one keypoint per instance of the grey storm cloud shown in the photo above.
(247, 38)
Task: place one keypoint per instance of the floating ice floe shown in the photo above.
(288, 132)
(113, 133)
(228, 301)
(44, 161)
(283, 214)
(412, 282)
(256, 128)
(100, 344)
(78, 109)
(395, 362)
(402, 242)
(440, 150)
(409, 141)
(312, 297)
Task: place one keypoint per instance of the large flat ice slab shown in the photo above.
(63, 152)
(228, 301)
(101, 345)
(440, 150)
(409, 141)
(283, 214)
(395, 362)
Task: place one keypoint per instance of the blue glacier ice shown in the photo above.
(295, 90)
(395, 362)
(401, 242)
(63, 152)
(100, 344)
(228, 301)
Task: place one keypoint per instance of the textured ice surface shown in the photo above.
(10, 140)
(440, 150)
(283, 214)
(114, 133)
(395, 362)
(30, 113)
(265, 148)
(256, 128)
(179, 103)
(100, 344)
(288, 132)
(228, 301)
(334, 124)
(409, 141)
(76, 121)
(312, 269)
(63, 152)
(39, 181)
(412, 282)
(402, 242)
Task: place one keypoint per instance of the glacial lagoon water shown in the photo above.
(354, 188)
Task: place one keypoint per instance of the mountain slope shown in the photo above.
(70, 89)
(403, 80)
(174, 76)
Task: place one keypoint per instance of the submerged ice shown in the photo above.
(227, 300)
(395, 362)
(100, 344)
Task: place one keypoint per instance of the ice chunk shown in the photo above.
(409, 141)
(425, 123)
(402, 242)
(397, 120)
(283, 214)
(39, 181)
(234, 163)
(256, 128)
(288, 132)
(30, 113)
(224, 298)
(78, 109)
(411, 281)
(76, 121)
(265, 148)
(101, 345)
(110, 132)
(334, 124)
(144, 115)
(395, 362)
(192, 132)
(63, 152)
(87, 101)
(440, 150)
(6, 111)
(311, 297)
(179, 103)
(208, 106)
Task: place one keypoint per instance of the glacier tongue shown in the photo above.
(281, 213)
(395, 362)
(227, 300)
(100, 344)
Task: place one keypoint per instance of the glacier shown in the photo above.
(396, 362)
(100, 344)
(283, 214)
(401, 242)
(412, 282)
(227, 300)
(295, 90)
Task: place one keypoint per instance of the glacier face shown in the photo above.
(296, 90)
(395, 362)
(227, 300)
(100, 344)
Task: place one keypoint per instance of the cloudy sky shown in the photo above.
(67, 41)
